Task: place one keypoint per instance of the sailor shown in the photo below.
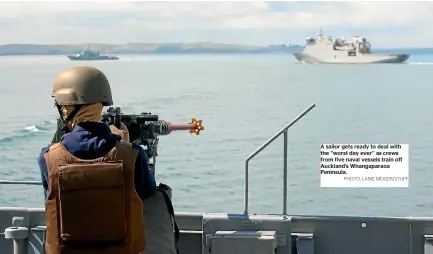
(95, 181)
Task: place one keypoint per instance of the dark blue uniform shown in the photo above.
(91, 140)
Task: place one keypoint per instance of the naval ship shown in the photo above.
(251, 233)
(88, 54)
(357, 50)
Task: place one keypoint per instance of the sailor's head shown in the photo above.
(80, 93)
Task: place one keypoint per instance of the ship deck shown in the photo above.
(22, 230)
(239, 233)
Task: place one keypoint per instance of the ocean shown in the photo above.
(243, 101)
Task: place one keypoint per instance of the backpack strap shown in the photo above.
(163, 189)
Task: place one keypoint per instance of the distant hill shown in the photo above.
(146, 48)
(172, 48)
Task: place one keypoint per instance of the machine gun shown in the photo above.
(145, 128)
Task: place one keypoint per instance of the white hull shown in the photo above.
(341, 57)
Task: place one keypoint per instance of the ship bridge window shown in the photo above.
(351, 53)
(310, 41)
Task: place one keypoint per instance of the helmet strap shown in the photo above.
(63, 123)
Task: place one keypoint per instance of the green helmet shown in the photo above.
(82, 85)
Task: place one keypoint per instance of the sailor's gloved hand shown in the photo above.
(123, 132)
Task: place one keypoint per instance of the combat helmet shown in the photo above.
(78, 86)
(82, 85)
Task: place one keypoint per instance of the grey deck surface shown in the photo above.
(200, 233)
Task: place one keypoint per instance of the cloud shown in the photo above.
(259, 23)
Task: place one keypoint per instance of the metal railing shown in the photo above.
(258, 150)
(20, 182)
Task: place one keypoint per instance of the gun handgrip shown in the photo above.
(117, 121)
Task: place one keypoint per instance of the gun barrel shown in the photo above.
(179, 127)
(165, 128)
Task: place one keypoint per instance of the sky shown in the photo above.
(385, 24)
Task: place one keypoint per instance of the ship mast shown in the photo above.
(320, 34)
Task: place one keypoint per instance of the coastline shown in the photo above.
(171, 48)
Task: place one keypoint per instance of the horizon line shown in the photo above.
(195, 42)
